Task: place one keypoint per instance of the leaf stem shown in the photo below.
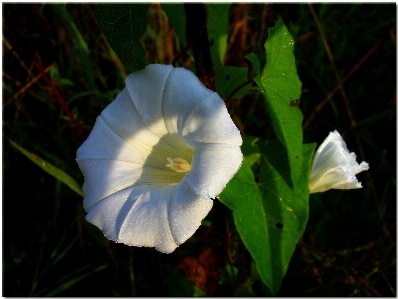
(231, 95)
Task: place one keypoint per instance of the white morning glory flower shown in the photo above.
(334, 167)
(156, 156)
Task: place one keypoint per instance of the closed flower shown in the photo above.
(334, 167)
(156, 156)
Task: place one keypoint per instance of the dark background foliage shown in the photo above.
(348, 248)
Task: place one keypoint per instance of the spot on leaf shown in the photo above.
(295, 103)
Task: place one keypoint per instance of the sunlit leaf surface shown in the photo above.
(281, 86)
(270, 216)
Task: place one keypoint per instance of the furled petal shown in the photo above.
(334, 167)
(155, 158)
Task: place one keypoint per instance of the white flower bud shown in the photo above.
(334, 167)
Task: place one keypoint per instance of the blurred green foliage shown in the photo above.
(349, 247)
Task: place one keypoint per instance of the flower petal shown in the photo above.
(213, 166)
(335, 178)
(146, 89)
(103, 177)
(105, 143)
(195, 112)
(136, 217)
(203, 124)
(119, 133)
(182, 93)
(124, 119)
(186, 211)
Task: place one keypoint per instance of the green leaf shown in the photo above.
(50, 169)
(176, 14)
(280, 85)
(123, 25)
(255, 61)
(270, 216)
(217, 30)
(251, 149)
(230, 77)
(66, 82)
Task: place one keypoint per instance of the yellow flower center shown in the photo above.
(178, 164)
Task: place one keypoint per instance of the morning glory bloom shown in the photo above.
(334, 167)
(156, 157)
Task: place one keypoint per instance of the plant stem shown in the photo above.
(196, 31)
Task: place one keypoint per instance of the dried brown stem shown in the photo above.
(331, 94)
(29, 84)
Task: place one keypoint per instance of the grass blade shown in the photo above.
(50, 169)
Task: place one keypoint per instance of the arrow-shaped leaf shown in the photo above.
(270, 216)
(281, 87)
